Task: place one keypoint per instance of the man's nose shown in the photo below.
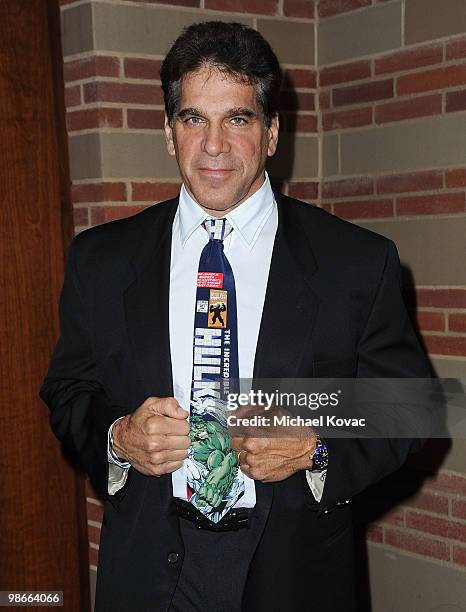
(215, 140)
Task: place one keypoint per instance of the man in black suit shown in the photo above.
(330, 306)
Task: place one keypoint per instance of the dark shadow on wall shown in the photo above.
(371, 506)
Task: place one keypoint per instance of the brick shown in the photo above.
(154, 192)
(93, 534)
(344, 73)
(459, 555)
(363, 209)
(299, 77)
(99, 192)
(456, 177)
(297, 101)
(303, 191)
(434, 525)
(72, 96)
(141, 68)
(298, 8)
(433, 502)
(363, 185)
(95, 512)
(94, 118)
(438, 203)
(431, 321)
(374, 533)
(456, 101)
(98, 65)
(301, 123)
(364, 92)
(123, 92)
(324, 99)
(356, 117)
(93, 556)
(456, 49)
(103, 214)
(457, 323)
(414, 181)
(438, 78)
(423, 106)
(394, 517)
(263, 7)
(80, 216)
(441, 298)
(446, 345)
(145, 119)
(327, 8)
(458, 508)
(407, 60)
(417, 544)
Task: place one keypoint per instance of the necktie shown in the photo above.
(214, 481)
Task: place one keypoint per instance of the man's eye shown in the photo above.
(239, 120)
(193, 120)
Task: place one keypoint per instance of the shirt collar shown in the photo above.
(247, 219)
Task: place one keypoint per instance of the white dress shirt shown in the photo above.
(248, 248)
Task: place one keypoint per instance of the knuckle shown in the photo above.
(154, 445)
(249, 445)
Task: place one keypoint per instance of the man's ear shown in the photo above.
(169, 137)
(272, 135)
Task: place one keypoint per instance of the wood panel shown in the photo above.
(43, 535)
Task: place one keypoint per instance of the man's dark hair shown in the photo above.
(232, 48)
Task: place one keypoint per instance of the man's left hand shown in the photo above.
(274, 459)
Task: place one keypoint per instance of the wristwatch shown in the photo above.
(319, 457)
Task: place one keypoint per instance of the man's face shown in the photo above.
(219, 140)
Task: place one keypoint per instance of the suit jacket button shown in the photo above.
(173, 557)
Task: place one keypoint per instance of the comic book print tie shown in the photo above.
(214, 481)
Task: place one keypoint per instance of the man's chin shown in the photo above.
(215, 201)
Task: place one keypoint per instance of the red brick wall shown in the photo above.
(420, 80)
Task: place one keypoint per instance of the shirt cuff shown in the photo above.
(316, 482)
(116, 478)
(111, 456)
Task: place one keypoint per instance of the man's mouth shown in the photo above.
(220, 172)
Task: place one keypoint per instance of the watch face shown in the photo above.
(320, 458)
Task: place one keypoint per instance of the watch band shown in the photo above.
(319, 457)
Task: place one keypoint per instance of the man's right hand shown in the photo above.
(155, 438)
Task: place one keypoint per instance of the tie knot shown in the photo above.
(218, 229)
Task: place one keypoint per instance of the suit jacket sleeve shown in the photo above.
(388, 348)
(80, 411)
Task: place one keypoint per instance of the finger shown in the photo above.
(237, 443)
(169, 407)
(246, 469)
(255, 445)
(166, 456)
(168, 426)
(174, 442)
(167, 468)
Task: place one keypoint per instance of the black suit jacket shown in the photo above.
(333, 307)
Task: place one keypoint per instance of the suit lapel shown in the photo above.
(290, 305)
(147, 305)
(288, 318)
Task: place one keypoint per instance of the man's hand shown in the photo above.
(270, 459)
(155, 438)
(273, 459)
